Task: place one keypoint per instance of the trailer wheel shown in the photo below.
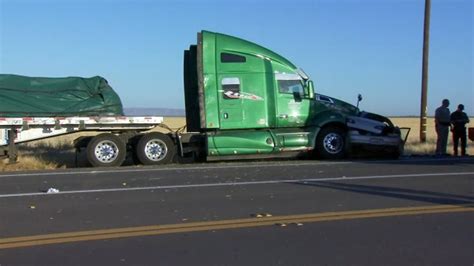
(155, 148)
(106, 150)
(331, 143)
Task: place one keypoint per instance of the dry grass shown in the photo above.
(44, 154)
(59, 152)
(413, 145)
(28, 162)
(173, 122)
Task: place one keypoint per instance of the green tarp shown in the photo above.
(71, 96)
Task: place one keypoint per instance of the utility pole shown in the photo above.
(424, 74)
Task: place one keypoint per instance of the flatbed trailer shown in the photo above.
(115, 135)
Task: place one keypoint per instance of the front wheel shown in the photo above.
(331, 143)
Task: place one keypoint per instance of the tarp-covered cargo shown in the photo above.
(71, 96)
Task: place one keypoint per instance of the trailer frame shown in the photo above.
(16, 130)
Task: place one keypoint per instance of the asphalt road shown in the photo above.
(406, 212)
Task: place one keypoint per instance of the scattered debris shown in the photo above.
(292, 224)
(261, 215)
(32, 207)
(52, 190)
(124, 184)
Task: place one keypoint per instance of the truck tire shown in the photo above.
(106, 150)
(155, 148)
(331, 143)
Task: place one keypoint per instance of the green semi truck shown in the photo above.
(245, 100)
(242, 101)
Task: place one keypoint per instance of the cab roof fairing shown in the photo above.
(239, 45)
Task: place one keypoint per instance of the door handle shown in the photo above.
(283, 116)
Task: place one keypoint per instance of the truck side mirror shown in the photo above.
(297, 96)
(359, 99)
(310, 87)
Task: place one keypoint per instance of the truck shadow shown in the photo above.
(64, 156)
(397, 193)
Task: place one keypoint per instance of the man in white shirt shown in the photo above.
(442, 123)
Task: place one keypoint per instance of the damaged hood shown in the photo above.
(357, 119)
(337, 105)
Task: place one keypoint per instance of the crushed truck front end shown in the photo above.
(364, 131)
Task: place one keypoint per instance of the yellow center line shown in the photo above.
(56, 238)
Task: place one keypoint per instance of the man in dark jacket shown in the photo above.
(459, 120)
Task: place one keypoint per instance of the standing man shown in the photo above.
(459, 120)
(442, 123)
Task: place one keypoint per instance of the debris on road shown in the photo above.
(285, 225)
(52, 190)
(261, 215)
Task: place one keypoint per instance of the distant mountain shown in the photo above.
(153, 111)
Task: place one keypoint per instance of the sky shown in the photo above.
(347, 47)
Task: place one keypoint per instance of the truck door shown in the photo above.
(230, 103)
(292, 106)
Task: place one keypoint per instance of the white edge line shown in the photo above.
(232, 184)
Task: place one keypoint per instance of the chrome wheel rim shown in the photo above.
(156, 150)
(333, 143)
(106, 151)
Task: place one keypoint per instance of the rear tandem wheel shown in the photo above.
(106, 150)
(155, 148)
